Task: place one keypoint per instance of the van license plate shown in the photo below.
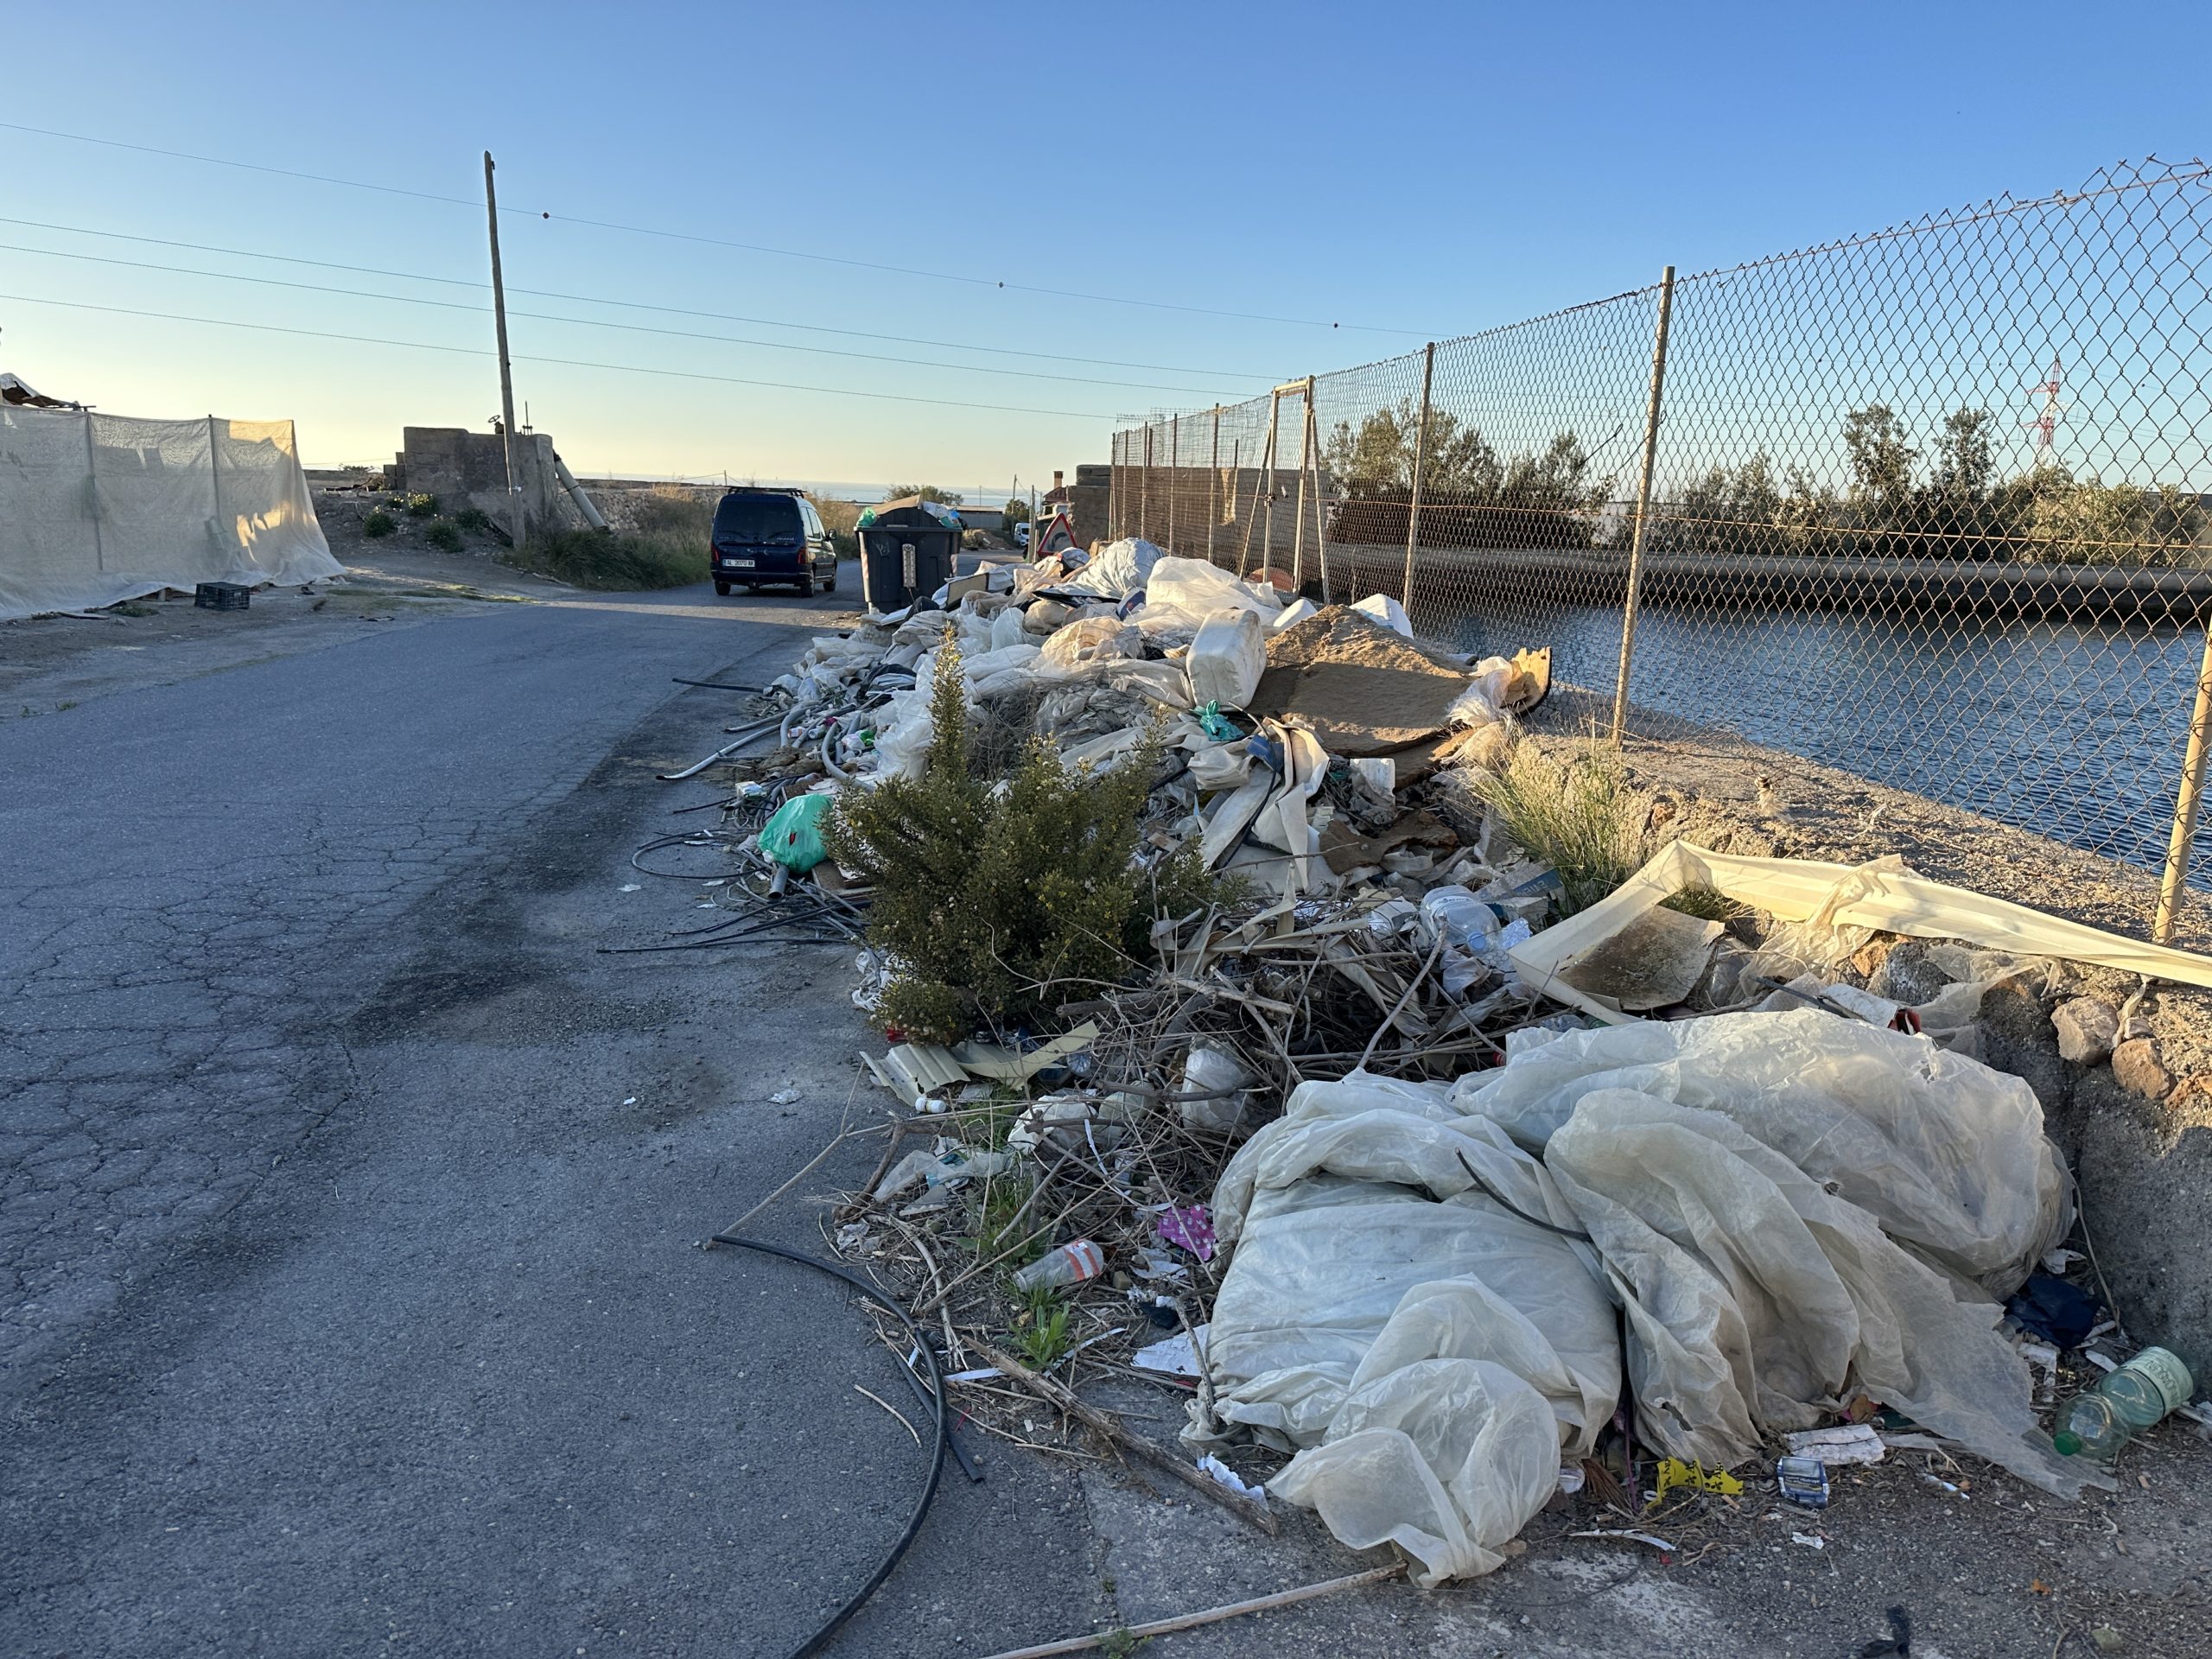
(739, 564)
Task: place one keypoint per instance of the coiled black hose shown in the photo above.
(814, 1643)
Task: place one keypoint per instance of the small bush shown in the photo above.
(678, 513)
(422, 506)
(600, 559)
(1001, 903)
(377, 523)
(1579, 817)
(445, 535)
(475, 520)
(973, 539)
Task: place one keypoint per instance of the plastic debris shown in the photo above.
(1853, 1443)
(1175, 1356)
(1188, 1228)
(1227, 1477)
(1803, 1481)
(1674, 1472)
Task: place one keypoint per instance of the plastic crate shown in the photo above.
(222, 596)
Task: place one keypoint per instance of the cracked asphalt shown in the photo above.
(350, 1206)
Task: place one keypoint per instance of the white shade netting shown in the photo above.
(95, 509)
(1785, 1212)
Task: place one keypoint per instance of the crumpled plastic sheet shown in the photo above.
(1948, 1154)
(1181, 594)
(1759, 1302)
(1435, 1354)
(1116, 569)
(1790, 1208)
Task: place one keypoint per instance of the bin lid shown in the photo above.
(910, 512)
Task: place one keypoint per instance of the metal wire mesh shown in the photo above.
(1928, 505)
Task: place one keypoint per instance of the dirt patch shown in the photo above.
(51, 665)
(1361, 689)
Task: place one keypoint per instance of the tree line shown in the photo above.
(1942, 499)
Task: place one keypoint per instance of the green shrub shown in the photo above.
(475, 520)
(679, 513)
(1577, 816)
(444, 536)
(600, 559)
(377, 523)
(422, 506)
(1001, 902)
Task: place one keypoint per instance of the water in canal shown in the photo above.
(2073, 732)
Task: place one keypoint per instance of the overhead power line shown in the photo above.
(719, 242)
(564, 362)
(595, 322)
(636, 305)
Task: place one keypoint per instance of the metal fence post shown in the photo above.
(1174, 473)
(1213, 485)
(1320, 514)
(1267, 482)
(1305, 455)
(1144, 489)
(1115, 451)
(2187, 803)
(1420, 454)
(1643, 501)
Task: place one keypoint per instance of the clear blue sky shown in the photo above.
(1405, 172)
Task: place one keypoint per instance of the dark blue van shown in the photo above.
(771, 535)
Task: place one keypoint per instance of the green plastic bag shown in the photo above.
(793, 836)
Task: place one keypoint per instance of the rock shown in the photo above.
(2136, 1067)
(2087, 1030)
(1870, 957)
(1910, 973)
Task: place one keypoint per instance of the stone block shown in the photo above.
(2088, 1028)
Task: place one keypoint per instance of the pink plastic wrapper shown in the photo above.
(1189, 1229)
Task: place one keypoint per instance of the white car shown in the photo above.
(1021, 534)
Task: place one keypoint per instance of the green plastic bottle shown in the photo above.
(2098, 1422)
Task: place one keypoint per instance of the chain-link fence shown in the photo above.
(1928, 505)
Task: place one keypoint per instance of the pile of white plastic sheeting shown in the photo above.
(1435, 1354)
(1792, 1209)
(1948, 1154)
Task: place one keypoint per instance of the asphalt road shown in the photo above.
(354, 1300)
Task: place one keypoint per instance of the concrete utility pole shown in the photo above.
(515, 516)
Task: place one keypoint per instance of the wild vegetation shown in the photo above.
(666, 546)
(1937, 496)
(997, 901)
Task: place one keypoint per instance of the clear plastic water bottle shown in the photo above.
(2125, 1403)
(1070, 1264)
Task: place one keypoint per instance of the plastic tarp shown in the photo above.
(1181, 594)
(1948, 1154)
(1882, 894)
(1790, 1208)
(96, 509)
(1115, 569)
(1759, 1302)
(1433, 1354)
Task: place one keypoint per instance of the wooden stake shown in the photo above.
(1134, 1444)
(1211, 1616)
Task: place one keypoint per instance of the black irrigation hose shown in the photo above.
(814, 1643)
(1533, 1221)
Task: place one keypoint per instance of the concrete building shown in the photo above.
(465, 468)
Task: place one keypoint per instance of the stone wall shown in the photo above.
(465, 468)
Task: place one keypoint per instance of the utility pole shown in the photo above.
(515, 518)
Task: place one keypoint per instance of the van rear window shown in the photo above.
(766, 520)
